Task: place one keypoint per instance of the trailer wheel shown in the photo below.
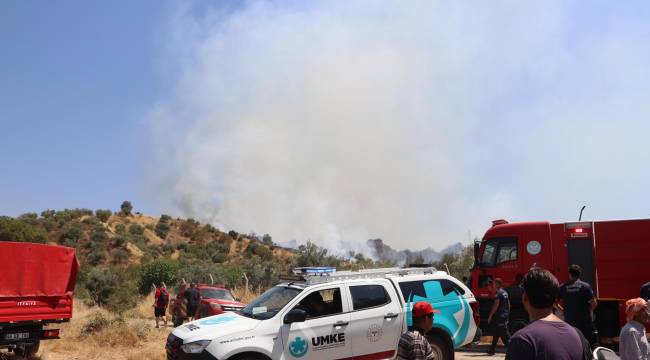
(441, 350)
(29, 349)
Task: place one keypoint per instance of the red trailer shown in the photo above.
(36, 290)
(613, 256)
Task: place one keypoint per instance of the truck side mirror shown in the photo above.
(295, 315)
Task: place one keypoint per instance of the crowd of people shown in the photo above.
(547, 336)
(191, 296)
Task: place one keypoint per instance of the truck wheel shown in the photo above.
(441, 350)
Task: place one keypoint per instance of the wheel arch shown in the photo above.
(249, 355)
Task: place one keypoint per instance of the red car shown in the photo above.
(215, 299)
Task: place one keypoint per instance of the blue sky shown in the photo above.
(332, 121)
(77, 79)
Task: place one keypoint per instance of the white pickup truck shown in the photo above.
(325, 314)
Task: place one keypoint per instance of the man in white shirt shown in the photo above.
(633, 344)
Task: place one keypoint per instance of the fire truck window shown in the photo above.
(489, 253)
(507, 250)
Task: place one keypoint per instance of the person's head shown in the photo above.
(637, 309)
(540, 289)
(496, 284)
(518, 278)
(161, 285)
(575, 271)
(315, 301)
(422, 314)
(193, 285)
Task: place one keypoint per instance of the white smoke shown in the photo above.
(413, 122)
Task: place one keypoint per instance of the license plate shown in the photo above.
(17, 336)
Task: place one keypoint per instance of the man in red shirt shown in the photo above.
(160, 304)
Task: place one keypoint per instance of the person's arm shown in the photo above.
(592, 302)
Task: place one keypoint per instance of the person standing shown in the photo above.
(633, 344)
(578, 303)
(498, 318)
(161, 300)
(547, 336)
(413, 345)
(193, 297)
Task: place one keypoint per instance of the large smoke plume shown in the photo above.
(413, 121)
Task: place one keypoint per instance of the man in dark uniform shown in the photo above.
(193, 297)
(645, 291)
(499, 315)
(578, 302)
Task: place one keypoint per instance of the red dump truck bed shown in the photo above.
(37, 282)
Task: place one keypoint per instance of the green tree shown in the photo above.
(126, 208)
(159, 270)
(103, 214)
(20, 230)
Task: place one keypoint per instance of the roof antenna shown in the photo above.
(581, 210)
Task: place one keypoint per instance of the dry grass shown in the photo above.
(130, 338)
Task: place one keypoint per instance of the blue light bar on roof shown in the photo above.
(315, 270)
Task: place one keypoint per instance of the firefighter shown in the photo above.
(498, 318)
(578, 303)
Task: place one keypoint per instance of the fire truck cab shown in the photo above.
(613, 256)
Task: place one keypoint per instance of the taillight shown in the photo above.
(475, 312)
(51, 334)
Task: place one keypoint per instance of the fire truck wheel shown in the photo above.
(441, 350)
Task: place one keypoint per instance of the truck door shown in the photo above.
(580, 250)
(326, 332)
(376, 320)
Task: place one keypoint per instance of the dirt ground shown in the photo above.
(132, 337)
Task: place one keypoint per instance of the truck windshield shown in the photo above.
(499, 250)
(221, 294)
(270, 303)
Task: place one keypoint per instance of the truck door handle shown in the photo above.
(391, 316)
(340, 323)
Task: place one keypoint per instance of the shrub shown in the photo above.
(159, 270)
(95, 323)
(126, 208)
(19, 230)
(267, 240)
(120, 228)
(149, 227)
(103, 214)
(135, 229)
(96, 257)
(101, 284)
(233, 234)
(164, 218)
(162, 230)
(71, 235)
(119, 256)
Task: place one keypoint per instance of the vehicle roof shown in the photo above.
(397, 278)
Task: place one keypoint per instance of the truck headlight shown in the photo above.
(195, 347)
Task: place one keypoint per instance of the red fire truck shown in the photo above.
(614, 256)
